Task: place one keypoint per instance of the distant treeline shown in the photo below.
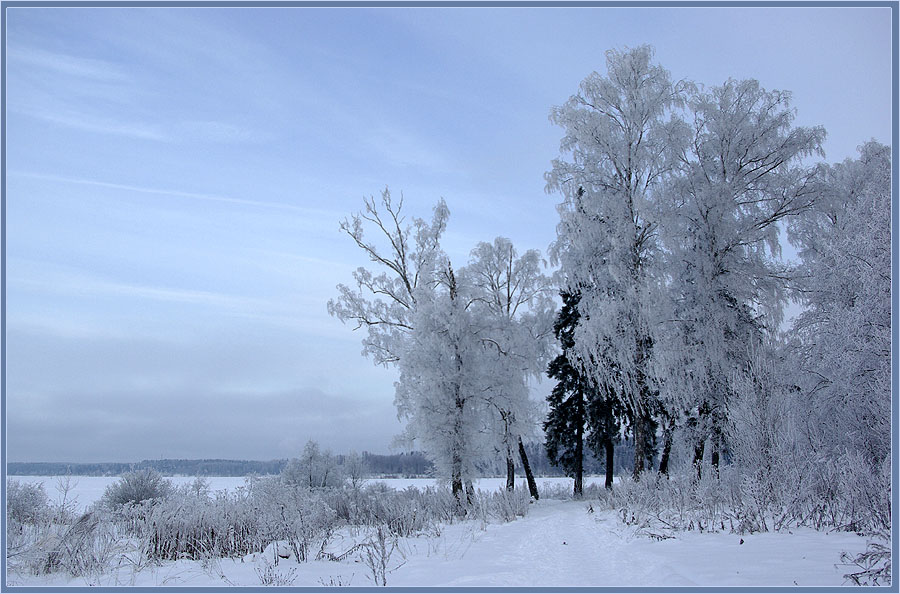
(403, 465)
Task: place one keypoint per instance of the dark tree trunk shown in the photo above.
(666, 451)
(640, 444)
(610, 451)
(698, 457)
(532, 485)
(579, 462)
(456, 462)
(456, 485)
(718, 438)
(510, 472)
(456, 481)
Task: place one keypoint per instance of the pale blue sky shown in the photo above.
(176, 176)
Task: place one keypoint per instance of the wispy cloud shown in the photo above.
(88, 123)
(215, 132)
(403, 148)
(74, 66)
(75, 283)
(305, 211)
(102, 97)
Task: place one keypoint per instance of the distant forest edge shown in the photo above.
(404, 465)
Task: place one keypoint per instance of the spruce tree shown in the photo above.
(579, 413)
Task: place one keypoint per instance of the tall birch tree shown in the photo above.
(514, 298)
(740, 175)
(614, 157)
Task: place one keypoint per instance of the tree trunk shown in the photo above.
(456, 479)
(718, 438)
(610, 451)
(640, 444)
(532, 486)
(698, 457)
(666, 451)
(510, 472)
(579, 462)
(456, 484)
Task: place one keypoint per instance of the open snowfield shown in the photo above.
(559, 543)
(89, 489)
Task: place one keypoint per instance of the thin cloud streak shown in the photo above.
(180, 194)
(83, 285)
(98, 125)
(69, 65)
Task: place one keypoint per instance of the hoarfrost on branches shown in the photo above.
(615, 138)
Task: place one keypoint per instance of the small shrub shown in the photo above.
(378, 552)
(269, 575)
(873, 566)
(136, 487)
(506, 506)
(26, 503)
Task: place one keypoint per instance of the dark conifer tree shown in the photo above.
(579, 413)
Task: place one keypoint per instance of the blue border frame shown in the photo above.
(894, 5)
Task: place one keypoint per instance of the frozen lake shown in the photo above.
(88, 489)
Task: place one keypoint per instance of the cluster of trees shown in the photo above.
(675, 198)
(465, 340)
(673, 286)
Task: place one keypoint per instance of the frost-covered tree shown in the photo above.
(513, 298)
(442, 367)
(615, 147)
(844, 333)
(314, 469)
(404, 255)
(416, 320)
(739, 175)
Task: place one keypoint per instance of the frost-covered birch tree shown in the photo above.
(614, 158)
(415, 320)
(844, 280)
(514, 299)
(442, 370)
(403, 254)
(740, 174)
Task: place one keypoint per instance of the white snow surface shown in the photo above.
(559, 543)
(89, 489)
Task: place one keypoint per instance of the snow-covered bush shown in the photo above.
(270, 575)
(298, 515)
(872, 567)
(315, 469)
(26, 503)
(377, 556)
(847, 494)
(136, 487)
(657, 503)
(506, 506)
(405, 512)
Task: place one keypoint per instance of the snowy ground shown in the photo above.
(559, 543)
(88, 489)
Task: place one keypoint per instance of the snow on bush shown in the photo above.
(135, 488)
(26, 503)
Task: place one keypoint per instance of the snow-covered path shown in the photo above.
(561, 544)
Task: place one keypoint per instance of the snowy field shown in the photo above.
(559, 543)
(89, 489)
